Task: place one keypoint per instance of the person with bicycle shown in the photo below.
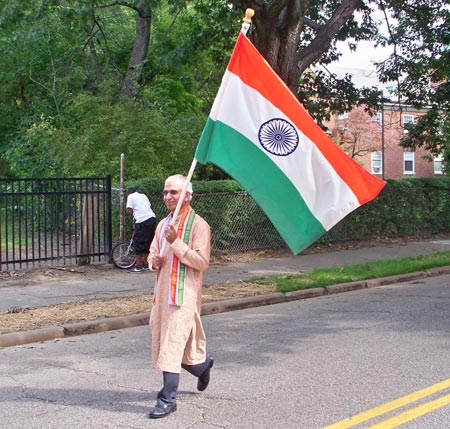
(178, 338)
(138, 205)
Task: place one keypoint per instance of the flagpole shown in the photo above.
(247, 20)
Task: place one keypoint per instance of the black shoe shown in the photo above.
(203, 380)
(162, 409)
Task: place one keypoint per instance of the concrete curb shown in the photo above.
(139, 319)
(304, 294)
(346, 287)
(33, 336)
(396, 279)
(438, 271)
(103, 325)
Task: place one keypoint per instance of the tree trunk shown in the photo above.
(277, 35)
(139, 50)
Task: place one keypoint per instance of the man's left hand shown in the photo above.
(170, 234)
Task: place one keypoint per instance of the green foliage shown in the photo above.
(68, 61)
(33, 153)
(62, 66)
(215, 186)
(421, 66)
(404, 207)
(93, 147)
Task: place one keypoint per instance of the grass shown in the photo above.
(320, 277)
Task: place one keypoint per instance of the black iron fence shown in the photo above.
(46, 220)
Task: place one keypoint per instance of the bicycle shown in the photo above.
(123, 254)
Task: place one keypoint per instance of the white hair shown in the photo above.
(182, 179)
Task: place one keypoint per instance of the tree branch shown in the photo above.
(312, 24)
(51, 90)
(140, 11)
(325, 35)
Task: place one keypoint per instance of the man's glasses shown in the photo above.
(171, 192)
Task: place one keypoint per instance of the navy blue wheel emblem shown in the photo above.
(278, 137)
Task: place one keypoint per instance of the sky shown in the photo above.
(366, 51)
(363, 57)
(359, 64)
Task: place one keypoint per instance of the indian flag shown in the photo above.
(260, 134)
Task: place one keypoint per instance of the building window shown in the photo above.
(376, 164)
(407, 119)
(439, 164)
(408, 162)
(378, 117)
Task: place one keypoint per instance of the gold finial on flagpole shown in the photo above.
(247, 20)
(248, 15)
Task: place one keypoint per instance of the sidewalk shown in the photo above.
(109, 282)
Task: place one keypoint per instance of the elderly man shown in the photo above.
(178, 338)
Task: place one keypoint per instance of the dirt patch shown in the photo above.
(21, 319)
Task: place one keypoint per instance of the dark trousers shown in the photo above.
(197, 369)
(168, 393)
(143, 235)
(171, 380)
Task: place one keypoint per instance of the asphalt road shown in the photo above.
(303, 364)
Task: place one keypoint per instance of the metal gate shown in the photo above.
(46, 221)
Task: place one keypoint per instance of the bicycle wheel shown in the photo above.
(123, 255)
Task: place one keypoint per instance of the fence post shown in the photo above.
(108, 215)
(87, 228)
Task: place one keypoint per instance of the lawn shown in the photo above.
(320, 277)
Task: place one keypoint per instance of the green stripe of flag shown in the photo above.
(264, 181)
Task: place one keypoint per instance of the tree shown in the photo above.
(62, 85)
(64, 63)
(356, 133)
(422, 59)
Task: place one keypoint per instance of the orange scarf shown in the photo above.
(178, 269)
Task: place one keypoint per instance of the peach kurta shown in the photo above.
(177, 331)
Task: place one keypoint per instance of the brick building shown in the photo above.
(373, 141)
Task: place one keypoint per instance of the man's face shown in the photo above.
(171, 194)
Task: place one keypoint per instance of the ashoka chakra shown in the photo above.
(278, 137)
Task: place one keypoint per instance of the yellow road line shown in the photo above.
(412, 413)
(385, 408)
